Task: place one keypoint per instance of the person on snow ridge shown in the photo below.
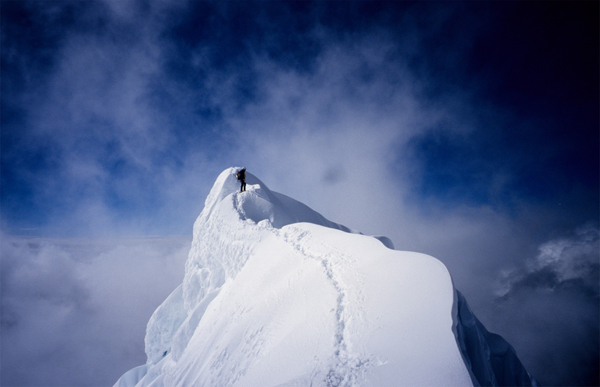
(241, 175)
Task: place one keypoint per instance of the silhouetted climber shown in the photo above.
(241, 175)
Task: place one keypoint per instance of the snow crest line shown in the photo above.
(347, 366)
(315, 307)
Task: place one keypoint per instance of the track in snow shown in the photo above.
(347, 366)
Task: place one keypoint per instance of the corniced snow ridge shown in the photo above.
(274, 294)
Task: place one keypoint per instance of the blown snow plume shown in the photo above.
(274, 294)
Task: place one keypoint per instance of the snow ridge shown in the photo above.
(274, 294)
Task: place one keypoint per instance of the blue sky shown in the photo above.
(465, 130)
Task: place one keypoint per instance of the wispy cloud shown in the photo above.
(560, 262)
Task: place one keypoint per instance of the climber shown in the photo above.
(241, 175)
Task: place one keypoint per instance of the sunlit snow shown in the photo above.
(274, 294)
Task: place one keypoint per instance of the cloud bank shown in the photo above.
(74, 312)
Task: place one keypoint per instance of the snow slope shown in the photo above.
(274, 294)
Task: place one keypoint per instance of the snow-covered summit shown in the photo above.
(259, 203)
(274, 294)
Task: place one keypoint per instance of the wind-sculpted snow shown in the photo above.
(226, 231)
(275, 294)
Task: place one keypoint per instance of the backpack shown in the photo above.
(241, 175)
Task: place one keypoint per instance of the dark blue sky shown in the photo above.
(530, 71)
(466, 130)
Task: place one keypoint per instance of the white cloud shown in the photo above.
(74, 311)
(573, 258)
